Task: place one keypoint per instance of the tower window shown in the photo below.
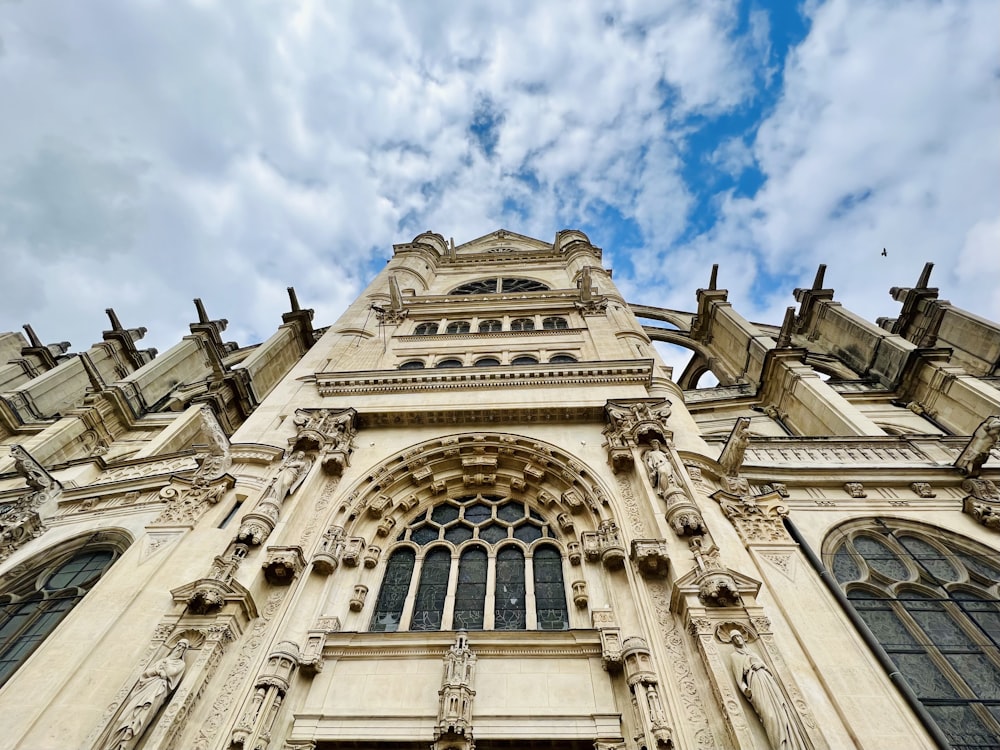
(524, 359)
(933, 603)
(425, 329)
(522, 324)
(562, 359)
(459, 326)
(413, 364)
(478, 539)
(495, 286)
(554, 324)
(490, 326)
(449, 363)
(487, 362)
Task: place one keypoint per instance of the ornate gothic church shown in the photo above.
(478, 511)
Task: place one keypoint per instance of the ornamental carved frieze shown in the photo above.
(329, 432)
(630, 422)
(982, 502)
(20, 521)
(756, 519)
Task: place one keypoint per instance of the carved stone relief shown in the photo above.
(651, 717)
(755, 519)
(270, 688)
(20, 521)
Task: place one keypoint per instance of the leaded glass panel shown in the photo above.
(429, 605)
(527, 533)
(979, 672)
(550, 592)
(925, 679)
(986, 614)
(470, 597)
(79, 570)
(522, 285)
(458, 534)
(509, 613)
(881, 558)
(930, 614)
(425, 534)
(962, 726)
(844, 567)
(879, 615)
(510, 512)
(478, 513)
(978, 565)
(392, 597)
(930, 558)
(493, 533)
(443, 514)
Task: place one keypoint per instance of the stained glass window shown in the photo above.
(932, 600)
(472, 525)
(429, 605)
(492, 286)
(550, 593)
(508, 613)
(392, 597)
(32, 613)
(470, 597)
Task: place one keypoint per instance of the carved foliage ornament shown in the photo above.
(631, 422)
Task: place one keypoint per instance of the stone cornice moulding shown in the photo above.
(578, 374)
(490, 415)
(255, 453)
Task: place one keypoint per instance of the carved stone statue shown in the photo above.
(976, 453)
(151, 691)
(735, 448)
(759, 686)
(293, 471)
(658, 464)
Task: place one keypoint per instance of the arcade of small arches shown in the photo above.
(492, 325)
(487, 360)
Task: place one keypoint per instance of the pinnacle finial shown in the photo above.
(925, 276)
(713, 280)
(820, 273)
(202, 315)
(293, 299)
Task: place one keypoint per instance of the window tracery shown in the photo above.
(554, 323)
(468, 542)
(500, 285)
(933, 602)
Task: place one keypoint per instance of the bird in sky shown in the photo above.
(884, 253)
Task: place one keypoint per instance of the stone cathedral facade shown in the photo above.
(478, 511)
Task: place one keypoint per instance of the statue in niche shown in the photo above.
(292, 473)
(151, 691)
(976, 453)
(658, 463)
(759, 686)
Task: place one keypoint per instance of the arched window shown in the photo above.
(562, 359)
(449, 363)
(459, 326)
(425, 329)
(480, 538)
(29, 612)
(932, 600)
(554, 324)
(524, 359)
(550, 591)
(413, 364)
(522, 324)
(490, 326)
(487, 362)
(495, 286)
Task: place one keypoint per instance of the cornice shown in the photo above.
(575, 374)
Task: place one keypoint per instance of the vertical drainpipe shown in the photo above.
(895, 676)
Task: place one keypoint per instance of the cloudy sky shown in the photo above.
(152, 151)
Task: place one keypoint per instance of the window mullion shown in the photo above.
(530, 611)
(411, 594)
(449, 598)
(489, 614)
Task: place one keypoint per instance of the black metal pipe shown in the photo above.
(895, 676)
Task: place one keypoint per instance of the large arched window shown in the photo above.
(501, 285)
(35, 604)
(933, 602)
(492, 553)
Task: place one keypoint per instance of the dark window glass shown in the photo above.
(527, 533)
(522, 285)
(425, 329)
(443, 514)
(429, 604)
(562, 359)
(550, 593)
(478, 513)
(483, 286)
(943, 640)
(413, 364)
(553, 324)
(425, 534)
(449, 363)
(524, 360)
(459, 326)
(510, 512)
(493, 533)
(458, 534)
(395, 586)
(487, 362)
(470, 597)
(490, 326)
(522, 324)
(25, 623)
(508, 613)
